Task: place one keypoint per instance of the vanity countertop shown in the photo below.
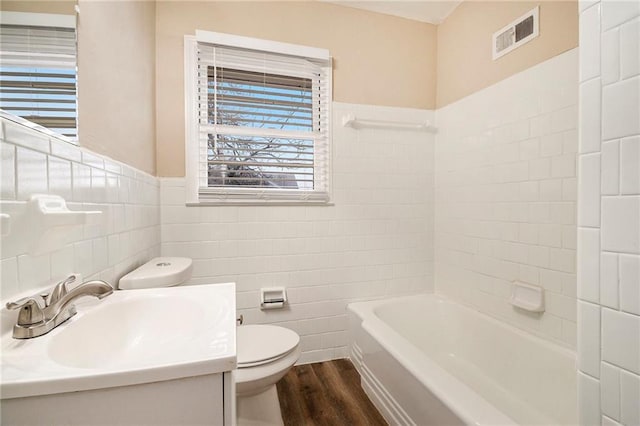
(130, 337)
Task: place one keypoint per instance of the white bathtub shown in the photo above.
(426, 360)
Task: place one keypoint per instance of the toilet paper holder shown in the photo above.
(273, 297)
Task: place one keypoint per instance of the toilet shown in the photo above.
(265, 353)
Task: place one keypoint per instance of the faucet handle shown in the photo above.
(60, 290)
(30, 311)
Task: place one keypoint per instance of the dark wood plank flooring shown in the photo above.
(326, 393)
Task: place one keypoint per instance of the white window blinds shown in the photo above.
(263, 125)
(38, 75)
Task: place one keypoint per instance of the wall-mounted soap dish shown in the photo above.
(52, 221)
(53, 212)
(528, 297)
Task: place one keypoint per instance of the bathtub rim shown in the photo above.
(455, 394)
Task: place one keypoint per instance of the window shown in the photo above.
(38, 69)
(257, 120)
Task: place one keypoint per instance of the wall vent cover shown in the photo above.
(517, 33)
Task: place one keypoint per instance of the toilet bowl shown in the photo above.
(265, 354)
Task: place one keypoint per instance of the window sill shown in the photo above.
(296, 203)
(253, 197)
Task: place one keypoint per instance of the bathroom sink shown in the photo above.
(131, 331)
(130, 337)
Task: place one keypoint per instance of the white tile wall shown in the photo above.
(620, 343)
(630, 166)
(615, 13)
(620, 393)
(618, 113)
(589, 396)
(506, 192)
(590, 35)
(589, 264)
(610, 170)
(610, 66)
(8, 177)
(630, 49)
(589, 338)
(505, 197)
(374, 241)
(589, 190)
(629, 397)
(610, 30)
(620, 224)
(609, 293)
(610, 395)
(126, 235)
(590, 116)
(629, 279)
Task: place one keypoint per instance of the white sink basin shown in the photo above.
(130, 337)
(130, 331)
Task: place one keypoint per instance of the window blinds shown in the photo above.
(263, 125)
(38, 75)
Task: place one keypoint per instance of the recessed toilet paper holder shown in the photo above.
(273, 297)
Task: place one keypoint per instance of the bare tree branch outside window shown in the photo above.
(263, 101)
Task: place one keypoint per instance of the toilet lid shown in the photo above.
(259, 343)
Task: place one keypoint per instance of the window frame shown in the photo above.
(245, 196)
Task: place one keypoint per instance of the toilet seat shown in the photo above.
(262, 344)
(266, 361)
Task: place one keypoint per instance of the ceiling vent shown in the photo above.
(517, 33)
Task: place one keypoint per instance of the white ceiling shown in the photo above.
(431, 11)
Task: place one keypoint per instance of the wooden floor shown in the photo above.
(326, 393)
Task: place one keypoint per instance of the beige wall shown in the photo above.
(131, 97)
(62, 7)
(378, 59)
(116, 80)
(464, 44)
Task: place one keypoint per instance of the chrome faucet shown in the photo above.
(42, 313)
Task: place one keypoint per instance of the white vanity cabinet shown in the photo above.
(158, 356)
(199, 400)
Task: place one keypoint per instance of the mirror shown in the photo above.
(38, 66)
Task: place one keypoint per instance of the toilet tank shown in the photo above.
(158, 272)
